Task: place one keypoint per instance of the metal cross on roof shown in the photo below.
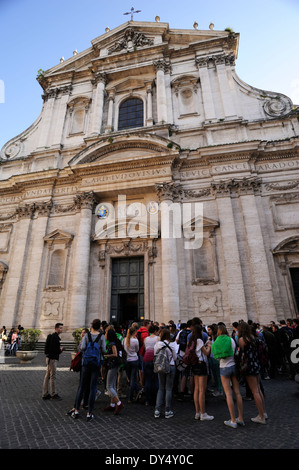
(132, 13)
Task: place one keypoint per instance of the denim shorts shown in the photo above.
(228, 371)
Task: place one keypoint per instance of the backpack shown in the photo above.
(287, 336)
(92, 354)
(190, 358)
(76, 362)
(262, 351)
(183, 340)
(161, 361)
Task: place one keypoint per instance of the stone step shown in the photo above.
(67, 345)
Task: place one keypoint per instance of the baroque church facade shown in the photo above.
(148, 129)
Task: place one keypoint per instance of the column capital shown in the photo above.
(99, 77)
(85, 200)
(237, 187)
(162, 64)
(169, 191)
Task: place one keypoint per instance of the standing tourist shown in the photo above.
(150, 379)
(52, 351)
(131, 347)
(112, 364)
(200, 371)
(93, 347)
(223, 349)
(252, 373)
(165, 380)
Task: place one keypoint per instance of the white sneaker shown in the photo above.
(258, 420)
(205, 417)
(197, 416)
(231, 424)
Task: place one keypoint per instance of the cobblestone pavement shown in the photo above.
(28, 422)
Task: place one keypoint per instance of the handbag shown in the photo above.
(76, 362)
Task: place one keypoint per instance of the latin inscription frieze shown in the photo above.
(276, 166)
(126, 176)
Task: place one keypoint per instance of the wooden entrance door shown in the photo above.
(127, 290)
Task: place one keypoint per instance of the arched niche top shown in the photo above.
(79, 100)
(129, 146)
(289, 245)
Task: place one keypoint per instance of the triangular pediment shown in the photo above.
(58, 236)
(136, 36)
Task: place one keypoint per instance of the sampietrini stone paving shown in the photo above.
(150, 115)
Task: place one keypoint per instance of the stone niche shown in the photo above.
(58, 247)
(77, 114)
(186, 96)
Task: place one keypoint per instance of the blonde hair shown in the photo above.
(130, 334)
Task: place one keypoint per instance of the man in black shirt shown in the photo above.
(52, 351)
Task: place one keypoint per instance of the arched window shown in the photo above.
(130, 114)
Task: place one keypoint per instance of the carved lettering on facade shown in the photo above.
(276, 166)
(125, 176)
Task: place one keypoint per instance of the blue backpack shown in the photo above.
(92, 354)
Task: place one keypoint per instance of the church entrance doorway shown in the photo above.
(295, 281)
(127, 290)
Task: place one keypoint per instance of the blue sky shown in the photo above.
(35, 34)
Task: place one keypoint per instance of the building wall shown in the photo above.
(209, 140)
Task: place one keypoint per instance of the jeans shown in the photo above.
(111, 382)
(89, 378)
(150, 382)
(165, 388)
(132, 369)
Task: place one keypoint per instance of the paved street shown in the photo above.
(28, 422)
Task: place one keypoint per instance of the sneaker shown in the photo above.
(258, 420)
(206, 417)
(89, 417)
(118, 408)
(217, 394)
(231, 424)
(47, 397)
(109, 408)
(197, 416)
(75, 415)
(69, 413)
(169, 414)
(157, 414)
(139, 395)
(241, 423)
(56, 397)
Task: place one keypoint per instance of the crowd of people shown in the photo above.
(11, 340)
(199, 357)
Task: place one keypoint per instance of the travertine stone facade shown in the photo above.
(206, 140)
